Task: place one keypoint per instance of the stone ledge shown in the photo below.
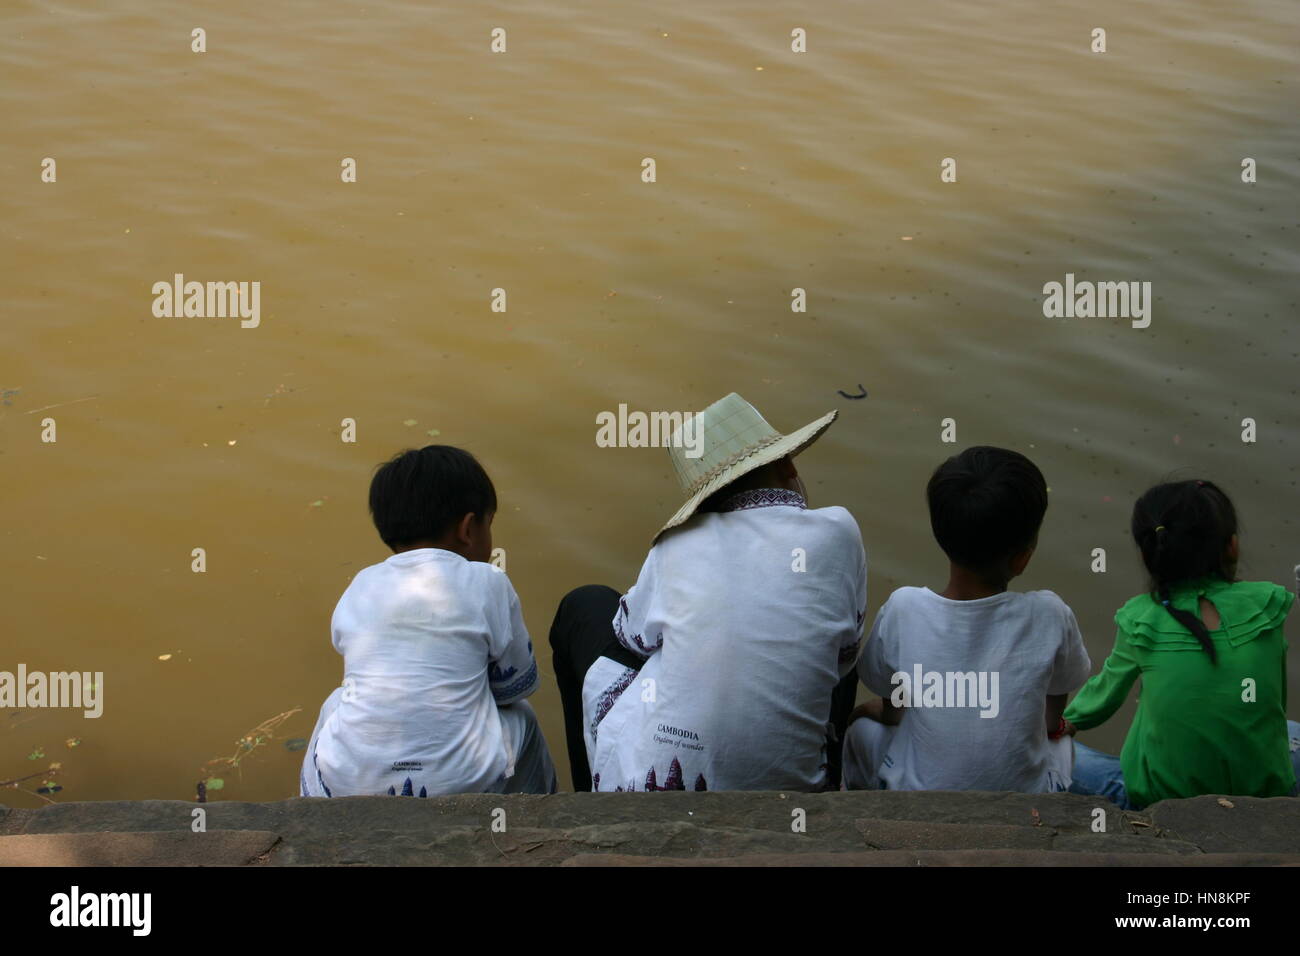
(938, 828)
(182, 848)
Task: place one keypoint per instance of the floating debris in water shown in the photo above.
(410, 422)
(164, 657)
(49, 788)
(297, 743)
(318, 503)
(73, 742)
(213, 783)
(433, 433)
(847, 395)
(6, 392)
(36, 754)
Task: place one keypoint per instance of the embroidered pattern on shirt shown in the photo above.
(608, 697)
(518, 686)
(496, 675)
(764, 498)
(623, 639)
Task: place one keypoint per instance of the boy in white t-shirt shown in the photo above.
(436, 658)
(973, 680)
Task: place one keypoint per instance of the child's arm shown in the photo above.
(512, 668)
(635, 620)
(1104, 693)
(1055, 711)
(880, 710)
(851, 641)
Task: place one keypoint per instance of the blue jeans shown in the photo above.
(1099, 774)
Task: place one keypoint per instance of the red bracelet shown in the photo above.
(1060, 731)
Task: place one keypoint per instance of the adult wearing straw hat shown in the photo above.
(717, 669)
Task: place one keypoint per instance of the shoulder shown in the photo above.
(368, 578)
(1048, 602)
(906, 599)
(837, 523)
(1052, 606)
(490, 578)
(1136, 606)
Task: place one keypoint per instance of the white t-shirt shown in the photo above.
(747, 619)
(1000, 655)
(432, 645)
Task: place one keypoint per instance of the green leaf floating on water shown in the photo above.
(214, 783)
(433, 433)
(410, 422)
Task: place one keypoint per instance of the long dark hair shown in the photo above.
(1183, 529)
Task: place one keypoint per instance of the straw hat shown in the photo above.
(735, 439)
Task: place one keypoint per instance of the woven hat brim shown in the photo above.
(791, 444)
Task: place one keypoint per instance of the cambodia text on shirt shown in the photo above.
(747, 618)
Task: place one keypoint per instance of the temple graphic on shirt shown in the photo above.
(496, 674)
(674, 781)
(407, 790)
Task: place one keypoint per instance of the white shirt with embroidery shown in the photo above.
(747, 619)
(432, 645)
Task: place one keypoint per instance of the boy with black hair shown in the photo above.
(436, 658)
(973, 680)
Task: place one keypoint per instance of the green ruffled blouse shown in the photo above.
(1193, 732)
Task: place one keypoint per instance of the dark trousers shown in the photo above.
(583, 631)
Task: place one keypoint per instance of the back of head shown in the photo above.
(1184, 530)
(986, 506)
(420, 494)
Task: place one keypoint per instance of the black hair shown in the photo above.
(1183, 529)
(417, 495)
(986, 505)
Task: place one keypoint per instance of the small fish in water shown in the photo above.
(297, 743)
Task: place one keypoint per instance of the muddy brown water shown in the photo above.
(522, 171)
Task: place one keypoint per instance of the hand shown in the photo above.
(871, 709)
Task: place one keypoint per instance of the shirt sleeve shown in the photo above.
(1104, 694)
(878, 663)
(851, 645)
(1072, 666)
(512, 667)
(636, 626)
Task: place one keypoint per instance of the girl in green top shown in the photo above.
(1212, 658)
